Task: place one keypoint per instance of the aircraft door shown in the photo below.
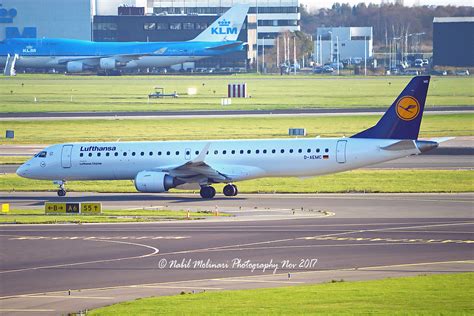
(341, 151)
(187, 154)
(66, 156)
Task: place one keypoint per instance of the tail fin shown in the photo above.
(402, 120)
(225, 28)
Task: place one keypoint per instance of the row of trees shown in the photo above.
(388, 21)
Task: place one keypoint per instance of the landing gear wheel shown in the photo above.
(61, 192)
(230, 190)
(207, 192)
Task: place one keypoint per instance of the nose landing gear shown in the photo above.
(62, 190)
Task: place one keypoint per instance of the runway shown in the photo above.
(357, 237)
(218, 113)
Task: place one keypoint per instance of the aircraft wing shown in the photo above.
(196, 170)
(94, 60)
(199, 171)
(225, 46)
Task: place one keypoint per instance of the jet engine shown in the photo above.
(108, 63)
(155, 182)
(75, 66)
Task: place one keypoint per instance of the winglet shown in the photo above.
(202, 155)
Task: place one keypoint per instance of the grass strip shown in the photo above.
(54, 132)
(130, 93)
(447, 294)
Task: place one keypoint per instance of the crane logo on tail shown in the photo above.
(408, 108)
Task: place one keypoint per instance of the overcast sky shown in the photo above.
(328, 3)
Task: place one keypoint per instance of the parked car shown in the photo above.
(439, 72)
(418, 63)
(328, 69)
(462, 73)
(411, 72)
(425, 62)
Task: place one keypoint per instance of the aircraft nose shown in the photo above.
(22, 171)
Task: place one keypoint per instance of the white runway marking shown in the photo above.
(154, 252)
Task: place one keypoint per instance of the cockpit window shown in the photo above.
(41, 154)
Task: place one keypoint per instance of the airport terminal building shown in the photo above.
(453, 41)
(147, 20)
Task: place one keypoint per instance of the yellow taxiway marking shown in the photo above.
(390, 240)
(98, 238)
(178, 287)
(10, 310)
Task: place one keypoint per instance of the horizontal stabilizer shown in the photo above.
(401, 145)
(441, 139)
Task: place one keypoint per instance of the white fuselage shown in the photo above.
(238, 159)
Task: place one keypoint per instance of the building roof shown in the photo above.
(453, 19)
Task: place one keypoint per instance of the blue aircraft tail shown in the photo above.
(402, 120)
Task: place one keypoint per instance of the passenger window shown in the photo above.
(168, 153)
(300, 150)
(291, 151)
(124, 154)
(107, 154)
(98, 154)
(273, 151)
(215, 152)
(309, 150)
(282, 151)
(133, 154)
(81, 155)
(264, 151)
(116, 154)
(177, 153)
(159, 153)
(142, 154)
(326, 150)
(188, 153)
(241, 151)
(224, 152)
(150, 153)
(317, 150)
(257, 151)
(197, 152)
(249, 151)
(233, 152)
(90, 155)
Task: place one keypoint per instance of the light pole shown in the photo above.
(256, 30)
(365, 55)
(337, 53)
(331, 57)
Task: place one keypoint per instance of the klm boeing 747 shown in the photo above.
(159, 166)
(219, 38)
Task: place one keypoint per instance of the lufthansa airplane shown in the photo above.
(159, 166)
(77, 55)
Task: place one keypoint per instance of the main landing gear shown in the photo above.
(230, 190)
(208, 192)
(62, 190)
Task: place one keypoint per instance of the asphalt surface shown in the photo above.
(218, 113)
(357, 237)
